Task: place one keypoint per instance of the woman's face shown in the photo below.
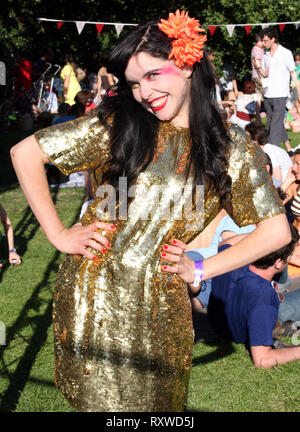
(161, 87)
(296, 166)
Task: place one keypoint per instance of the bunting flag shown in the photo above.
(248, 28)
(211, 28)
(99, 28)
(281, 27)
(230, 29)
(119, 28)
(80, 25)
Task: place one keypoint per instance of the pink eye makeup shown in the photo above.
(166, 70)
(169, 70)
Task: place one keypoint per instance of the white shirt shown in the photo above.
(279, 157)
(278, 68)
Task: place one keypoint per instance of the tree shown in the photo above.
(20, 31)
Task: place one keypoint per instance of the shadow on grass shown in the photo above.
(40, 324)
(24, 231)
(205, 333)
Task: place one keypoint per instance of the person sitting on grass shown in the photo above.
(245, 307)
(13, 257)
(280, 159)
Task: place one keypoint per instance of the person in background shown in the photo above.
(23, 73)
(63, 114)
(247, 106)
(105, 80)
(71, 84)
(245, 306)
(257, 54)
(277, 68)
(85, 99)
(281, 160)
(40, 65)
(218, 230)
(228, 79)
(13, 257)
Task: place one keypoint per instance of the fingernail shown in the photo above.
(113, 227)
(163, 254)
(174, 241)
(164, 267)
(165, 247)
(96, 259)
(108, 244)
(103, 250)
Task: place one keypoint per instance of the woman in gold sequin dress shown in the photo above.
(122, 325)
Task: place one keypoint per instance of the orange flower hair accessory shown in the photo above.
(188, 44)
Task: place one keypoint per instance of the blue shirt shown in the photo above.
(243, 307)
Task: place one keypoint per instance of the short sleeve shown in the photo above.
(261, 323)
(66, 70)
(290, 62)
(253, 196)
(76, 145)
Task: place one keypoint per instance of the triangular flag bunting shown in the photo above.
(248, 28)
(297, 26)
(264, 26)
(230, 29)
(59, 24)
(99, 28)
(281, 27)
(212, 29)
(79, 25)
(119, 28)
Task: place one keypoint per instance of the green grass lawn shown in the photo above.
(223, 377)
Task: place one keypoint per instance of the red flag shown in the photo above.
(212, 29)
(99, 28)
(281, 27)
(248, 28)
(59, 24)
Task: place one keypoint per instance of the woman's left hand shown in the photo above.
(183, 265)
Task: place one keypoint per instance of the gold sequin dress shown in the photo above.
(122, 328)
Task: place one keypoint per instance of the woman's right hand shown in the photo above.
(78, 239)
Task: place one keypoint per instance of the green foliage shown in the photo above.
(20, 31)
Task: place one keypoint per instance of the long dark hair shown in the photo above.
(134, 129)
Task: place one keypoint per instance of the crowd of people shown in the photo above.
(162, 116)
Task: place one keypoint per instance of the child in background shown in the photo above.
(13, 257)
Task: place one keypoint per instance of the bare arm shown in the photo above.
(296, 82)
(28, 161)
(288, 182)
(66, 85)
(110, 78)
(235, 87)
(270, 235)
(277, 173)
(266, 356)
(204, 239)
(258, 66)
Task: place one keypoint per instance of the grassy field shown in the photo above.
(223, 377)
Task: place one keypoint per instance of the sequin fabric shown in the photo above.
(123, 331)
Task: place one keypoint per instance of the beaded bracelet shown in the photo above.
(198, 272)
